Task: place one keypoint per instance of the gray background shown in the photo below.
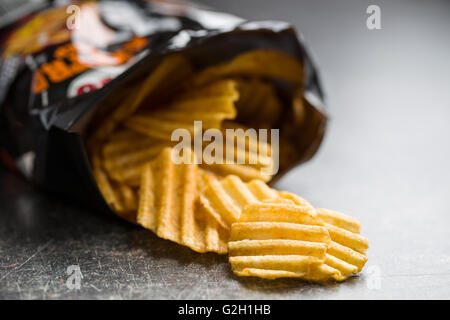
(385, 160)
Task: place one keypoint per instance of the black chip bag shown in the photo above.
(61, 64)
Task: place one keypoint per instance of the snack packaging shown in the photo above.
(59, 65)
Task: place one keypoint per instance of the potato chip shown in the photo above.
(242, 155)
(224, 199)
(265, 63)
(132, 159)
(277, 239)
(167, 206)
(125, 152)
(289, 225)
(182, 113)
(157, 128)
(105, 186)
(339, 220)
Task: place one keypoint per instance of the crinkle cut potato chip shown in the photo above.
(224, 199)
(168, 207)
(267, 232)
(120, 197)
(211, 104)
(273, 240)
(256, 154)
(125, 152)
(106, 188)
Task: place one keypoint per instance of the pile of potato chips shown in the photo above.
(218, 207)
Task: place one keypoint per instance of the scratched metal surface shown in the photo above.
(385, 160)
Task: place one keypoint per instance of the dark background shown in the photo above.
(385, 160)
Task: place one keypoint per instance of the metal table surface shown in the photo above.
(385, 160)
